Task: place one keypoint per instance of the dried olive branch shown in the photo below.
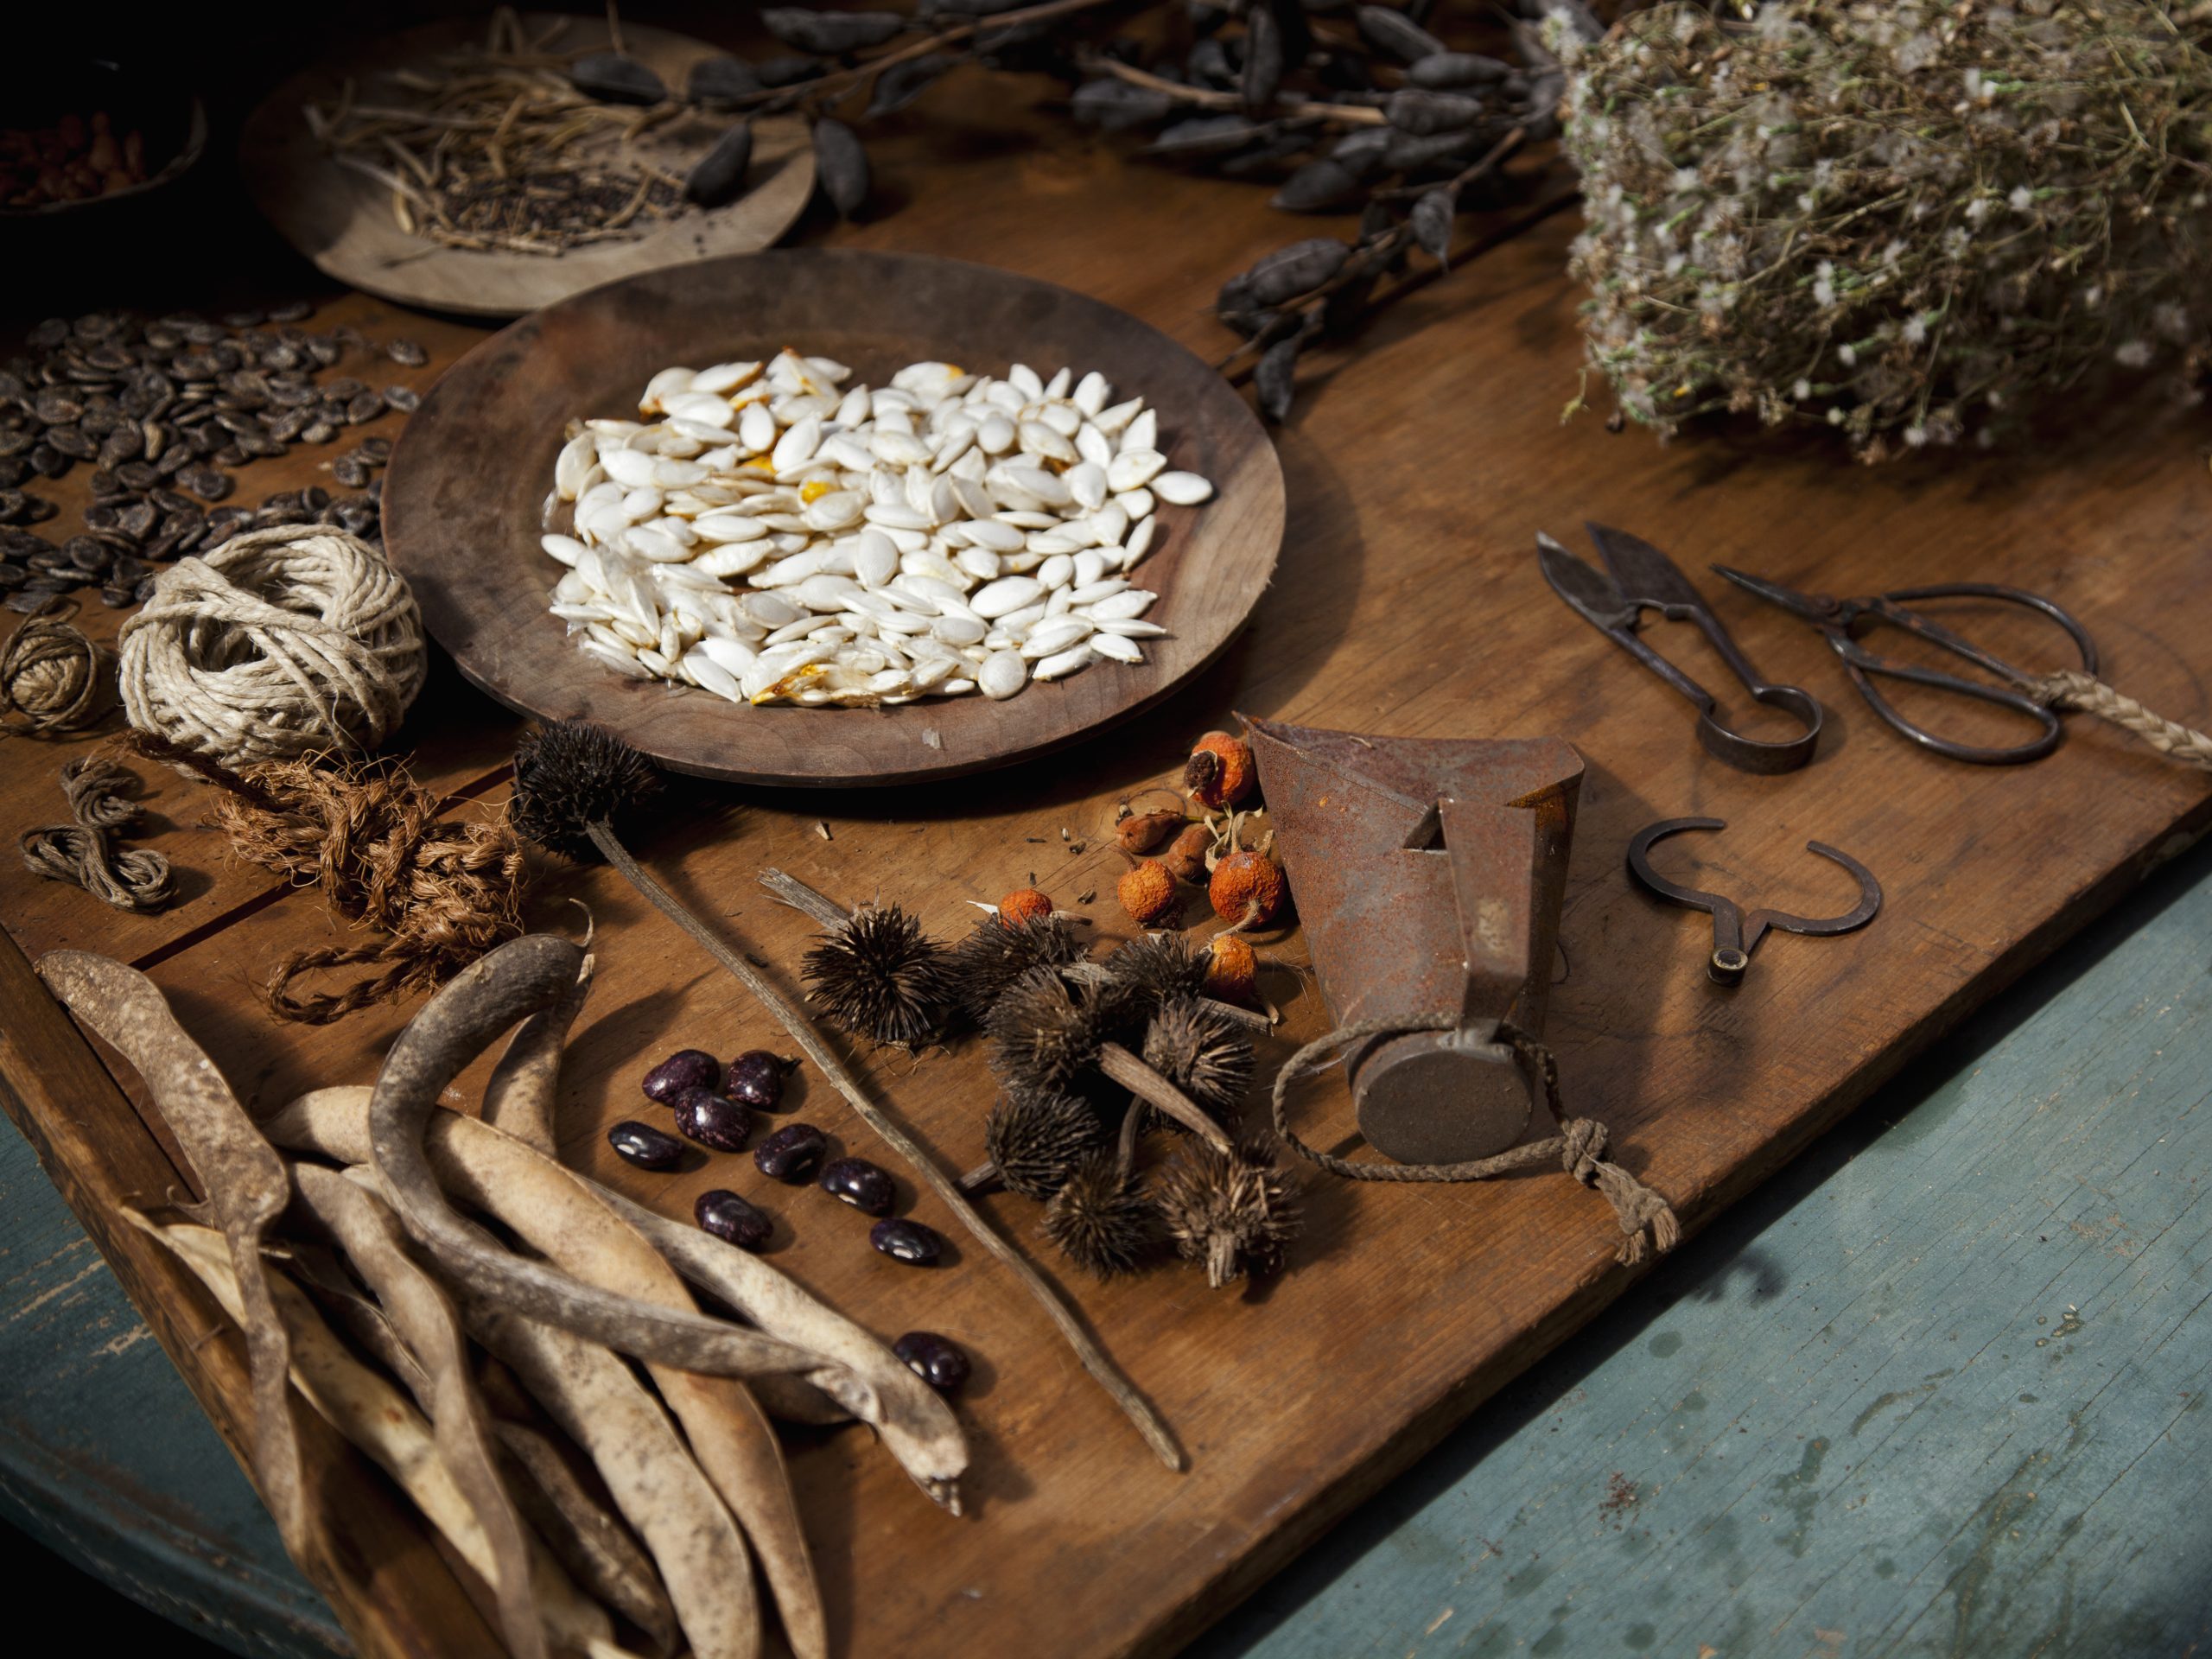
(1206, 98)
(803, 1032)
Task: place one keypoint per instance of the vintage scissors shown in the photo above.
(1641, 577)
(1737, 933)
(1839, 618)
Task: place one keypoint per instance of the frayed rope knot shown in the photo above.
(1648, 1221)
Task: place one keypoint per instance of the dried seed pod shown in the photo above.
(616, 78)
(1204, 1054)
(722, 81)
(1115, 105)
(1264, 59)
(719, 176)
(841, 165)
(1299, 268)
(1426, 113)
(1275, 377)
(1148, 893)
(1025, 905)
(1219, 772)
(1186, 858)
(1101, 1219)
(1231, 1212)
(1156, 969)
(1431, 224)
(1232, 969)
(880, 975)
(1321, 186)
(1247, 889)
(831, 33)
(1392, 31)
(1453, 71)
(902, 83)
(1142, 831)
(1034, 1141)
(996, 954)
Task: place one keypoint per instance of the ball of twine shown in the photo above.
(282, 642)
(53, 681)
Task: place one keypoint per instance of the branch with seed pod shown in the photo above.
(1380, 116)
(571, 778)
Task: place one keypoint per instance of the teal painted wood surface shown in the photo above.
(1938, 1389)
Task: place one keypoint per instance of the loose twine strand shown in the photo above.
(1579, 1148)
(52, 679)
(2071, 688)
(283, 642)
(371, 838)
(84, 853)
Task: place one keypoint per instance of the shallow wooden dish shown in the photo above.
(463, 500)
(343, 221)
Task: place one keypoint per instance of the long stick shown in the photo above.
(794, 1020)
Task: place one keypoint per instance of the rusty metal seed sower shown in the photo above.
(1737, 933)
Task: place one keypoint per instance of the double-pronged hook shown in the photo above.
(1736, 934)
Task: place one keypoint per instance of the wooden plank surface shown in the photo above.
(1639, 1490)
(1407, 602)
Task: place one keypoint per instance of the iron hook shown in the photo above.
(1737, 933)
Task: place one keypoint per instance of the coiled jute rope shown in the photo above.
(2072, 688)
(53, 681)
(1579, 1148)
(292, 640)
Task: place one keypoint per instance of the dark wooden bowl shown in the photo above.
(468, 483)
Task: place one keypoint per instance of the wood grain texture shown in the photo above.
(344, 222)
(462, 510)
(1407, 601)
(1940, 1389)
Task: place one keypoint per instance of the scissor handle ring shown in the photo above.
(1862, 666)
(2050, 607)
(1760, 754)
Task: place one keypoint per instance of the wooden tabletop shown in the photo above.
(1422, 463)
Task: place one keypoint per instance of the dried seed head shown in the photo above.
(996, 954)
(1219, 772)
(1100, 1218)
(1041, 1037)
(1148, 893)
(1025, 905)
(569, 775)
(881, 977)
(1246, 888)
(1036, 1140)
(1204, 1054)
(1232, 1212)
(1232, 969)
(1155, 968)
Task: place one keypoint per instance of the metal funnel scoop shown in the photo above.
(1428, 874)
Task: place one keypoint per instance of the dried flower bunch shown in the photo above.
(1908, 221)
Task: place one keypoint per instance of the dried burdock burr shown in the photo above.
(1219, 772)
(1247, 889)
(1045, 1038)
(1204, 1054)
(874, 972)
(1147, 893)
(571, 777)
(1101, 1219)
(1230, 1211)
(993, 956)
(1156, 969)
(1033, 1141)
